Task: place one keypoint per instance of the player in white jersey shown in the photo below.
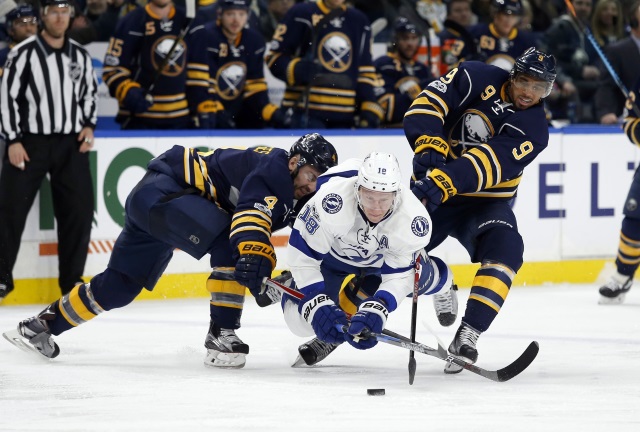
(362, 222)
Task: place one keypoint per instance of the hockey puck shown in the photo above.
(375, 392)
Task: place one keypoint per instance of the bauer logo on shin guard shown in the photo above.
(313, 304)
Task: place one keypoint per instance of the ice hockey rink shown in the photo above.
(140, 368)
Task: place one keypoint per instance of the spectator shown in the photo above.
(150, 98)
(500, 42)
(606, 22)
(576, 58)
(48, 70)
(6, 6)
(276, 10)
(456, 43)
(235, 56)
(624, 57)
(543, 14)
(403, 77)
(327, 66)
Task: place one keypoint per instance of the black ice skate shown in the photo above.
(269, 295)
(313, 352)
(464, 347)
(224, 348)
(4, 290)
(446, 306)
(615, 290)
(33, 335)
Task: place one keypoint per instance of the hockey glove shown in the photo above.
(426, 161)
(368, 120)
(305, 70)
(136, 101)
(256, 262)
(323, 314)
(280, 119)
(206, 120)
(436, 188)
(410, 88)
(370, 318)
(225, 120)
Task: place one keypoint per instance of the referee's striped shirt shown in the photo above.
(47, 91)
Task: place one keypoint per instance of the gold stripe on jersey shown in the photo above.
(110, 75)
(438, 99)
(628, 250)
(73, 308)
(123, 88)
(250, 219)
(290, 67)
(271, 58)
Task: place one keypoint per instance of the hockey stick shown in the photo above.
(603, 57)
(190, 13)
(501, 375)
(392, 338)
(414, 314)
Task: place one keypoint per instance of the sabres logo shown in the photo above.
(175, 63)
(231, 79)
(332, 203)
(420, 226)
(335, 52)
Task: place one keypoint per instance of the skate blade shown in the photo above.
(15, 338)
(299, 362)
(451, 368)
(223, 360)
(612, 300)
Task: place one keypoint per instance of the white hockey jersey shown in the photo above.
(331, 223)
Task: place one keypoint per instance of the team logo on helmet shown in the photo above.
(332, 203)
(420, 226)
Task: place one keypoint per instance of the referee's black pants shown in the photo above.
(72, 194)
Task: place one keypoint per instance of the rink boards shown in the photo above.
(569, 206)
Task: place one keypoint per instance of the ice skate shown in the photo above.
(224, 348)
(313, 352)
(33, 335)
(464, 347)
(446, 305)
(615, 290)
(4, 291)
(269, 295)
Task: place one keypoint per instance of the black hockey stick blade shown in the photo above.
(412, 368)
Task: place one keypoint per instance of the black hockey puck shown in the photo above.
(375, 392)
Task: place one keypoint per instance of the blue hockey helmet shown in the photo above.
(509, 7)
(21, 12)
(536, 64)
(316, 151)
(403, 25)
(233, 4)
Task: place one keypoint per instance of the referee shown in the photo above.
(48, 114)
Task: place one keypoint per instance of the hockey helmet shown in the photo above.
(23, 12)
(314, 150)
(536, 64)
(403, 25)
(509, 7)
(379, 172)
(233, 4)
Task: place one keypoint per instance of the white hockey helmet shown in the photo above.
(379, 172)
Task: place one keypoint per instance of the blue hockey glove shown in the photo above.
(370, 318)
(256, 262)
(305, 70)
(427, 189)
(136, 101)
(426, 161)
(323, 314)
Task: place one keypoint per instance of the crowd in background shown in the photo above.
(493, 31)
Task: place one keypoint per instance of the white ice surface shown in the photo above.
(140, 369)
